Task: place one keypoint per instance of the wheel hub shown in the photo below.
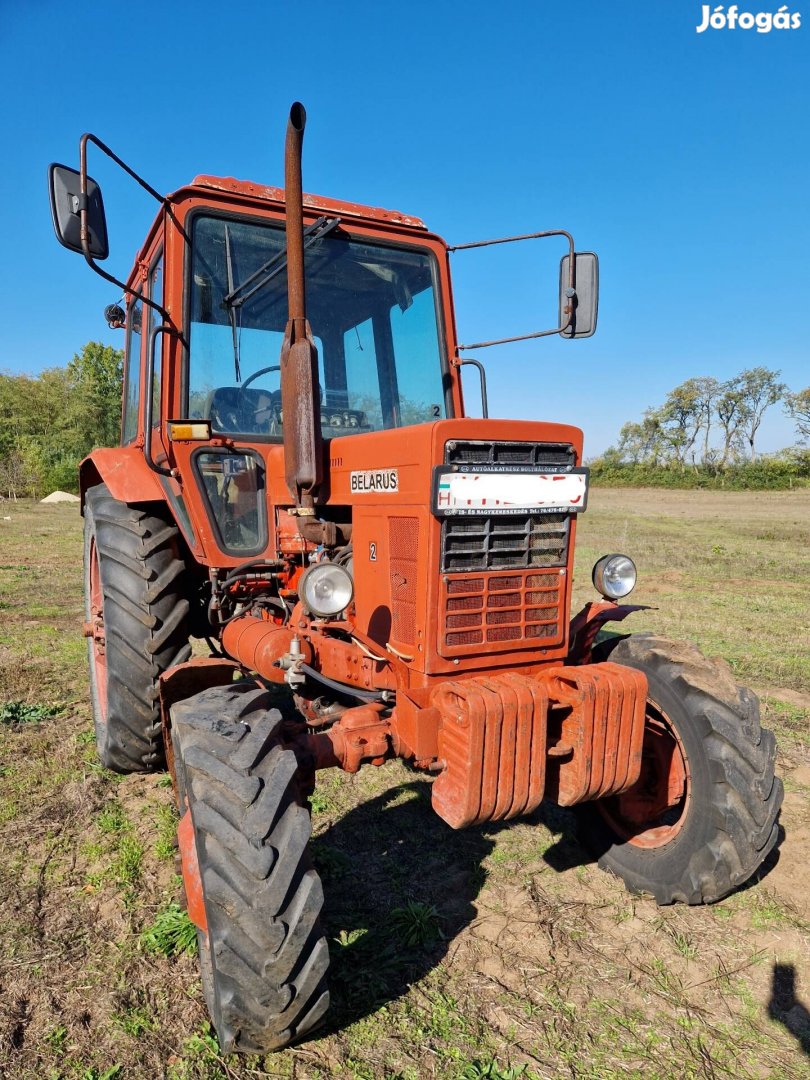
(652, 812)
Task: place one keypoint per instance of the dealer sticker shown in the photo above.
(374, 480)
(478, 492)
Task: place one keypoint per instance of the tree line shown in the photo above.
(50, 421)
(707, 429)
(704, 432)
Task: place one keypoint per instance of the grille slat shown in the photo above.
(551, 455)
(500, 609)
(519, 540)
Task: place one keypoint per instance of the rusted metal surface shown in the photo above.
(492, 741)
(246, 189)
(597, 726)
(125, 473)
(507, 741)
(300, 392)
(259, 645)
(361, 734)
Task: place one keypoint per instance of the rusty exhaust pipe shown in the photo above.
(300, 391)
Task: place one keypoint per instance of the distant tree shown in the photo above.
(706, 391)
(760, 388)
(798, 408)
(682, 419)
(97, 375)
(50, 421)
(643, 443)
(730, 408)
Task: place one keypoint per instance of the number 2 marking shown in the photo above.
(372, 551)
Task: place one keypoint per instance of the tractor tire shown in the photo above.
(250, 885)
(703, 745)
(137, 621)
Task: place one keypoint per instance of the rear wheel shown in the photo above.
(704, 813)
(137, 625)
(251, 888)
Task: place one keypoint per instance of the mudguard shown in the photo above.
(124, 471)
(587, 623)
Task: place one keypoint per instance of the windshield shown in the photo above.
(372, 309)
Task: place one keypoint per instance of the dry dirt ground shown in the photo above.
(498, 952)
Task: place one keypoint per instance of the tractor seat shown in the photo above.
(250, 411)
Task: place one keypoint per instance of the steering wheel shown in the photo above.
(260, 415)
(257, 375)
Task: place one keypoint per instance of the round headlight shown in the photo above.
(614, 576)
(326, 589)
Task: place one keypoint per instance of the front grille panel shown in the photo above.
(496, 610)
(502, 542)
(503, 582)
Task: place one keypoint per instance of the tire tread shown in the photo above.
(263, 899)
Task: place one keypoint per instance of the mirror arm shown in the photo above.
(483, 377)
(85, 232)
(571, 292)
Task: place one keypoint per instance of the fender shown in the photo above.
(587, 623)
(124, 471)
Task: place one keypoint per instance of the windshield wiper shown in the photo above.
(239, 295)
(232, 310)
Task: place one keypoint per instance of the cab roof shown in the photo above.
(246, 190)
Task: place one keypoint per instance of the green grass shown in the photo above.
(416, 923)
(171, 934)
(166, 840)
(491, 1070)
(494, 952)
(714, 575)
(15, 713)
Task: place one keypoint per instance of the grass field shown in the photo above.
(493, 953)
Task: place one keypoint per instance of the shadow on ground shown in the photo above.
(785, 1008)
(392, 851)
(568, 851)
(388, 852)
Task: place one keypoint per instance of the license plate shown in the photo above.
(490, 492)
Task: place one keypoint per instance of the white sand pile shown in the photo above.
(60, 497)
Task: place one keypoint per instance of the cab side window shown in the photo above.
(156, 294)
(132, 396)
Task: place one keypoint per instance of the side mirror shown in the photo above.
(66, 200)
(586, 299)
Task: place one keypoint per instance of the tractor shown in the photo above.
(299, 494)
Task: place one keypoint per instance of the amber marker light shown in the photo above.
(189, 430)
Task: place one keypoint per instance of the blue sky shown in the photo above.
(683, 159)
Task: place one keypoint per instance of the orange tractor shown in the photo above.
(298, 485)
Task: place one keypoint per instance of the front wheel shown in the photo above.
(250, 885)
(704, 813)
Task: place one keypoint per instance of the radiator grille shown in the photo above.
(503, 582)
(495, 610)
(549, 455)
(502, 542)
(403, 540)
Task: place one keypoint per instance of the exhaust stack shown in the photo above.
(300, 390)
